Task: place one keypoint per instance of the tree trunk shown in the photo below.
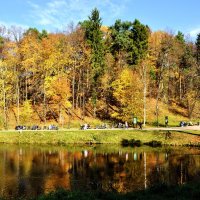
(44, 103)
(73, 89)
(94, 100)
(157, 96)
(144, 76)
(180, 86)
(73, 85)
(83, 104)
(157, 109)
(4, 105)
(18, 101)
(26, 87)
(78, 91)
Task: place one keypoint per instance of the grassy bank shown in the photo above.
(99, 136)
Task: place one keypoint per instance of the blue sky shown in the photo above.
(56, 15)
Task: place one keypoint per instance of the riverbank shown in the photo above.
(62, 137)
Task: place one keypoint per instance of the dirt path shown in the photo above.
(197, 128)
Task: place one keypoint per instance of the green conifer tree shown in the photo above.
(198, 49)
(139, 42)
(94, 38)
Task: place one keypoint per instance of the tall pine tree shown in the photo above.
(120, 39)
(180, 37)
(94, 37)
(139, 42)
(198, 49)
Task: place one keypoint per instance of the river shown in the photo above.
(33, 170)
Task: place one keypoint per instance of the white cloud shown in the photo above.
(59, 13)
(11, 24)
(194, 32)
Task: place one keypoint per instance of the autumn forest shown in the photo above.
(90, 70)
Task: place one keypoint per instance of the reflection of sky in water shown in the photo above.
(33, 171)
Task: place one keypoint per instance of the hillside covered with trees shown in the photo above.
(110, 73)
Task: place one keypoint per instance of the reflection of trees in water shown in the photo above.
(184, 168)
(157, 166)
(49, 170)
(178, 169)
(32, 172)
(111, 172)
(114, 172)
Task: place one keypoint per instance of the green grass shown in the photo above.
(99, 136)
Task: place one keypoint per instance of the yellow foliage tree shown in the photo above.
(26, 113)
(58, 92)
(57, 89)
(128, 92)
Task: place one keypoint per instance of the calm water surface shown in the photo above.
(30, 171)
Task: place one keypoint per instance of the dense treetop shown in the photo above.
(108, 72)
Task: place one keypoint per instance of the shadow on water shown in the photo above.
(31, 171)
(162, 191)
